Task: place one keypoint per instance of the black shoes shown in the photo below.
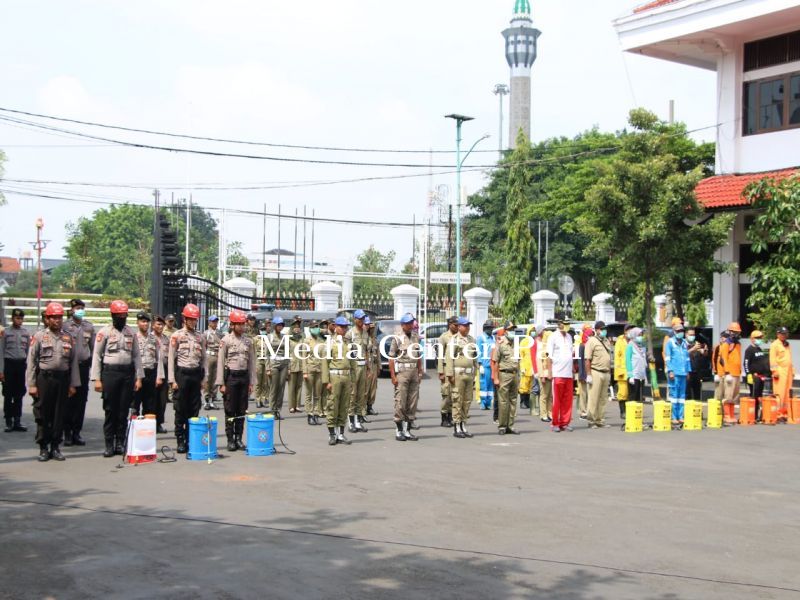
(118, 449)
(371, 411)
(77, 440)
(68, 438)
(457, 431)
(9, 427)
(511, 431)
(44, 453)
(109, 451)
(340, 438)
(407, 427)
(55, 453)
(399, 435)
(240, 444)
(232, 445)
(182, 449)
(332, 441)
(161, 429)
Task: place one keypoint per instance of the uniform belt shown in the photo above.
(600, 370)
(53, 373)
(401, 366)
(85, 363)
(464, 370)
(361, 363)
(122, 368)
(153, 368)
(238, 373)
(211, 352)
(188, 369)
(16, 360)
(508, 370)
(339, 371)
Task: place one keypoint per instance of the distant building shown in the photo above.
(9, 269)
(520, 40)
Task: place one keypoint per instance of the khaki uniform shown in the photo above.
(407, 370)
(505, 368)
(277, 368)
(312, 376)
(186, 367)
(262, 367)
(374, 362)
(359, 338)
(162, 393)
(461, 364)
(153, 368)
(15, 344)
(84, 334)
(545, 380)
(237, 372)
(337, 371)
(445, 388)
(295, 377)
(598, 351)
(212, 337)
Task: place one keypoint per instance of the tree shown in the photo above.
(775, 234)
(515, 278)
(643, 215)
(236, 258)
(373, 260)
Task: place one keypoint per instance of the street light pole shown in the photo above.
(501, 89)
(39, 245)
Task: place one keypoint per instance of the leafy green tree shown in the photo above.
(775, 235)
(373, 260)
(236, 258)
(28, 282)
(643, 214)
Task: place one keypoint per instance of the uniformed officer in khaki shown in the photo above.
(170, 328)
(312, 374)
(277, 365)
(117, 373)
(83, 332)
(597, 356)
(213, 337)
(337, 368)
(262, 378)
(295, 377)
(145, 400)
(162, 393)
(405, 369)
(374, 362)
(52, 377)
(186, 370)
(461, 365)
(444, 383)
(327, 332)
(15, 343)
(236, 377)
(505, 375)
(358, 336)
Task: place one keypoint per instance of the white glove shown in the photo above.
(716, 378)
(481, 369)
(589, 379)
(632, 381)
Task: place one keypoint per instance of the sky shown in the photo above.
(352, 74)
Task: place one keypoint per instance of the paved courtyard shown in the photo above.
(585, 515)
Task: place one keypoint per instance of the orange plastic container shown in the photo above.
(747, 411)
(794, 411)
(729, 413)
(769, 410)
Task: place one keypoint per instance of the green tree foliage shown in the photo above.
(236, 258)
(28, 282)
(515, 277)
(373, 260)
(643, 215)
(775, 235)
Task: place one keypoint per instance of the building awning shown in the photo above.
(727, 191)
(650, 5)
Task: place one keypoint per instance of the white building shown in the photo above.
(754, 47)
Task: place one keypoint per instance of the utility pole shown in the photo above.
(501, 90)
(279, 248)
(305, 221)
(39, 245)
(264, 252)
(188, 230)
(294, 274)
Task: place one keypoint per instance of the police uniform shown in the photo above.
(84, 334)
(213, 338)
(312, 378)
(598, 352)
(116, 363)
(145, 399)
(461, 365)
(295, 376)
(162, 393)
(359, 341)
(337, 368)
(186, 369)
(277, 367)
(505, 373)
(15, 343)
(374, 362)
(237, 372)
(444, 383)
(405, 360)
(53, 371)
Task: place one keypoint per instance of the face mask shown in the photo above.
(640, 340)
(315, 331)
(118, 322)
(762, 344)
(679, 336)
(690, 339)
(603, 334)
(78, 313)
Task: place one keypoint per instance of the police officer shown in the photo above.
(405, 369)
(162, 393)
(277, 365)
(326, 332)
(14, 345)
(461, 364)
(505, 376)
(213, 338)
(170, 326)
(52, 377)
(444, 382)
(83, 332)
(236, 377)
(144, 401)
(117, 373)
(337, 368)
(312, 374)
(295, 377)
(186, 368)
(374, 363)
(262, 361)
(358, 337)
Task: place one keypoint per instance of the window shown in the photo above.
(769, 52)
(771, 104)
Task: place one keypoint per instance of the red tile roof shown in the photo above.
(9, 265)
(726, 191)
(651, 5)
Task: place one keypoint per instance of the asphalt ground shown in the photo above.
(584, 515)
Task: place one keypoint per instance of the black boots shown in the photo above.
(67, 438)
(399, 435)
(525, 401)
(109, 451)
(44, 453)
(371, 411)
(331, 436)
(340, 438)
(9, 427)
(55, 453)
(407, 431)
(182, 448)
(77, 440)
(17, 426)
(352, 426)
(232, 444)
(118, 447)
(310, 419)
(239, 443)
(457, 431)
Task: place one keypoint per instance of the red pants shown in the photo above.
(562, 401)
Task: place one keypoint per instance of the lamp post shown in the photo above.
(39, 226)
(501, 90)
(459, 119)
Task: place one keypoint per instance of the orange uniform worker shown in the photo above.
(730, 370)
(780, 363)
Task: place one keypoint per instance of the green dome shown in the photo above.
(522, 7)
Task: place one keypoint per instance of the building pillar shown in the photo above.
(603, 310)
(326, 296)
(661, 318)
(478, 300)
(406, 300)
(544, 307)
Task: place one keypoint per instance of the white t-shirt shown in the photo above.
(559, 347)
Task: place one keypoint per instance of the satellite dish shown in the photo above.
(566, 284)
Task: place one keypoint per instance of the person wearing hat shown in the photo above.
(326, 332)
(277, 365)
(337, 368)
(698, 355)
(52, 376)
(236, 377)
(405, 369)
(559, 362)
(374, 364)
(162, 393)
(678, 367)
(461, 366)
(730, 358)
(263, 379)
(312, 373)
(187, 371)
(756, 365)
(117, 373)
(636, 365)
(620, 371)
(170, 328)
(444, 383)
(358, 336)
(485, 345)
(780, 364)
(528, 382)
(83, 332)
(144, 400)
(297, 354)
(212, 337)
(14, 345)
(580, 361)
(597, 355)
(505, 376)
(544, 375)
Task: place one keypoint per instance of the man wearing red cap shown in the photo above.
(187, 368)
(236, 377)
(117, 373)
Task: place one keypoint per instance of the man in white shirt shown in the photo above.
(561, 366)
